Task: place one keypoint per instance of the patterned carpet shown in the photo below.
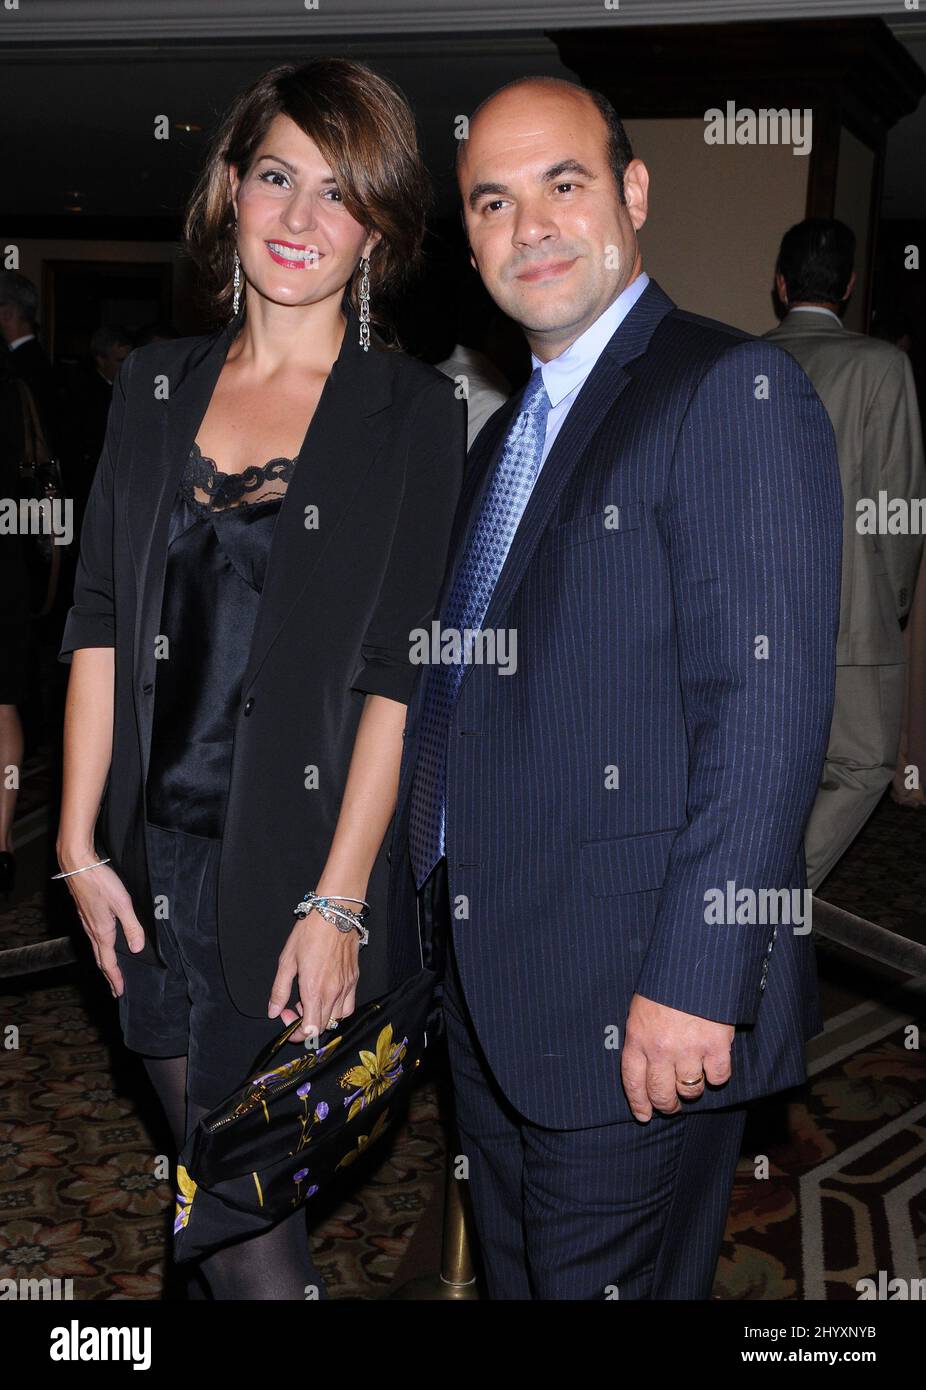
(83, 1151)
(829, 1190)
(831, 1184)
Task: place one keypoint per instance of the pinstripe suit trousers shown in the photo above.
(626, 1210)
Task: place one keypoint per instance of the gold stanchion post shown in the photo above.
(456, 1279)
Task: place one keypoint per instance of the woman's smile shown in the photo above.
(292, 255)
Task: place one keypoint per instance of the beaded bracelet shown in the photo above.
(328, 908)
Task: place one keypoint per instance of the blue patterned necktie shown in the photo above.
(490, 540)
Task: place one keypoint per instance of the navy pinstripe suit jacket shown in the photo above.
(664, 731)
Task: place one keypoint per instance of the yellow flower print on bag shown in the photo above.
(184, 1197)
(376, 1072)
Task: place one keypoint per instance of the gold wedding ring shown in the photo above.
(697, 1081)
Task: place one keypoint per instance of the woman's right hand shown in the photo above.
(100, 897)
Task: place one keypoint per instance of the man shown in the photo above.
(869, 393)
(28, 359)
(655, 520)
(89, 396)
(485, 386)
(109, 347)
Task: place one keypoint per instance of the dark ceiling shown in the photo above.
(82, 129)
(79, 125)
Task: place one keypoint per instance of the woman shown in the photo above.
(243, 703)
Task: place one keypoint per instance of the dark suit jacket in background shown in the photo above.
(382, 461)
(30, 362)
(637, 652)
(85, 402)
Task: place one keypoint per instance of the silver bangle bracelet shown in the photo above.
(340, 898)
(82, 870)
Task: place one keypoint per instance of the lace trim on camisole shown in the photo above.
(256, 483)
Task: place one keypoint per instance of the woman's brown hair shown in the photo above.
(365, 130)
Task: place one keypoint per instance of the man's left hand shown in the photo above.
(664, 1048)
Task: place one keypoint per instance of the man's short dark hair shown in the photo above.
(620, 152)
(816, 258)
(19, 290)
(107, 338)
(618, 145)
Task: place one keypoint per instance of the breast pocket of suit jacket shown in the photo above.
(607, 523)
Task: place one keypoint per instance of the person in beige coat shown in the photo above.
(909, 785)
(867, 388)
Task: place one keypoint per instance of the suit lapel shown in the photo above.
(337, 452)
(152, 488)
(603, 386)
(480, 464)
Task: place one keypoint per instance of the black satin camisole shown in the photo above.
(218, 545)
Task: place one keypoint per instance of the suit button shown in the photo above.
(249, 704)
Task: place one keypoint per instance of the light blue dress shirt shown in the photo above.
(563, 376)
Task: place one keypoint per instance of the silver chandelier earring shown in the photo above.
(236, 301)
(365, 304)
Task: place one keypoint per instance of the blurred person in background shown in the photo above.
(90, 393)
(908, 788)
(443, 320)
(27, 359)
(868, 390)
(158, 332)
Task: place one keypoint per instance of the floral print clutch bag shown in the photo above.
(288, 1131)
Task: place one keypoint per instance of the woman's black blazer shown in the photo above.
(356, 562)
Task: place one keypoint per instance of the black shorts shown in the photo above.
(186, 1009)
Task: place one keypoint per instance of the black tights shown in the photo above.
(277, 1264)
